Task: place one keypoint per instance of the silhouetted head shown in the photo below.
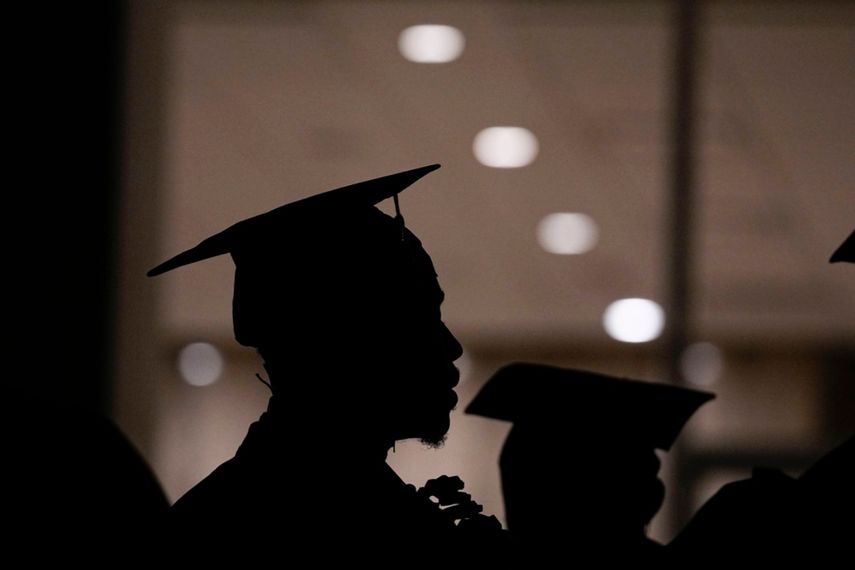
(343, 303)
(580, 457)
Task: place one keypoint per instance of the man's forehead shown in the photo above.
(421, 283)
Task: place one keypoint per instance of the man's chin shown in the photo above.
(434, 442)
(435, 437)
(432, 431)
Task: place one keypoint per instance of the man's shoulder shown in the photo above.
(212, 493)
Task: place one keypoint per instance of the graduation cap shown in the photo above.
(589, 404)
(252, 230)
(846, 251)
(283, 255)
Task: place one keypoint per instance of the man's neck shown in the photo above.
(347, 445)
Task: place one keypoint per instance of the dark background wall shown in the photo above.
(61, 218)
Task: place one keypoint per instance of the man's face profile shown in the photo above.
(415, 354)
(360, 318)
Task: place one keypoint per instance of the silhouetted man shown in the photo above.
(579, 470)
(343, 305)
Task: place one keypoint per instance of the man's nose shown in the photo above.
(455, 349)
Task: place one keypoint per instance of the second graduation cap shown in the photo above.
(588, 404)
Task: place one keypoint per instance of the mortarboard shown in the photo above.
(846, 251)
(282, 256)
(587, 403)
(241, 234)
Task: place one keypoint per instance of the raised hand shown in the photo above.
(447, 492)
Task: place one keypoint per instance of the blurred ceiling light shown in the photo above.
(431, 43)
(702, 363)
(200, 364)
(505, 147)
(567, 233)
(634, 320)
